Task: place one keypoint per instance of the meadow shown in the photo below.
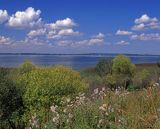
(115, 94)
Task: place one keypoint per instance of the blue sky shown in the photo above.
(80, 26)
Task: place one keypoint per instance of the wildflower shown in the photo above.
(34, 121)
(156, 84)
(103, 108)
(100, 123)
(106, 114)
(68, 100)
(81, 95)
(53, 108)
(102, 94)
(67, 121)
(103, 89)
(116, 92)
(96, 91)
(65, 110)
(55, 120)
(80, 99)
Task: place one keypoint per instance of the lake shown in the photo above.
(77, 62)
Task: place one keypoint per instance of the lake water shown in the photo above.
(77, 62)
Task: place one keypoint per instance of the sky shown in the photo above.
(80, 26)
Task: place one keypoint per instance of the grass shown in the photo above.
(117, 110)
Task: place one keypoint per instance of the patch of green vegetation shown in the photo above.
(115, 94)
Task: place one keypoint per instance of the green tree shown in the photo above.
(104, 67)
(123, 65)
(122, 72)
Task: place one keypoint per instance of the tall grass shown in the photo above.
(109, 110)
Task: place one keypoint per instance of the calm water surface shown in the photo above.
(77, 62)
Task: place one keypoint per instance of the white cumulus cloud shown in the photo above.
(5, 40)
(144, 19)
(146, 37)
(3, 16)
(123, 32)
(61, 29)
(61, 24)
(99, 35)
(138, 27)
(145, 23)
(122, 43)
(35, 33)
(94, 40)
(23, 19)
(65, 32)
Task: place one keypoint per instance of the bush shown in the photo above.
(123, 65)
(116, 81)
(110, 81)
(4, 72)
(11, 105)
(123, 71)
(45, 86)
(26, 67)
(142, 79)
(104, 67)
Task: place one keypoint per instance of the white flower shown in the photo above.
(55, 120)
(96, 91)
(103, 89)
(100, 121)
(70, 115)
(68, 100)
(103, 107)
(65, 110)
(53, 108)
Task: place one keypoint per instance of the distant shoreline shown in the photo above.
(112, 54)
(138, 65)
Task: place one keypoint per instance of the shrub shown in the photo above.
(26, 67)
(142, 79)
(104, 67)
(122, 65)
(4, 72)
(116, 81)
(11, 105)
(110, 81)
(123, 70)
(45, 86)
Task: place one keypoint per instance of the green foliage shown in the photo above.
(4, 72)
(26, 67)
(116, 81)
(122, 72)
(142, 79)
(104, 67)
(45, 86)
(11, 105)
(111, 81)
(122, 65)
